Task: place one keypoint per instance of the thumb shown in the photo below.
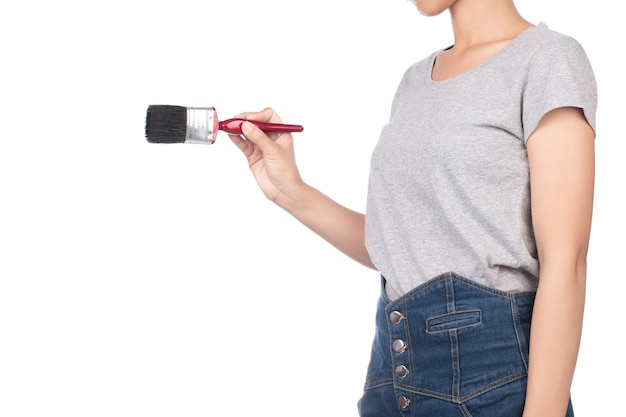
(258, 137)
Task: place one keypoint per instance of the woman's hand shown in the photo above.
(270, 156)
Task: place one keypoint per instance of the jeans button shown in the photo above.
(396, 317)
(404, 402)
(398, 346)
(402, 371)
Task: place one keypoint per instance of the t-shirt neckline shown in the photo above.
(494, 57)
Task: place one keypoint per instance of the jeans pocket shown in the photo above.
(453, 321)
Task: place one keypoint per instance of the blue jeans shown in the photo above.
(450, 347)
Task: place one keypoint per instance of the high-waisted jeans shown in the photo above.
(450, 348)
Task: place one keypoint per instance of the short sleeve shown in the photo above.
(560, 75)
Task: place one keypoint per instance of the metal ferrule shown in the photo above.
(200, 125)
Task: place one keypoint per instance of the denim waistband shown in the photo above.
(450, 339)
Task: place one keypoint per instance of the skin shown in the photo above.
(561, 163)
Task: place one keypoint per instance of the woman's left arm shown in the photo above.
(561, 161)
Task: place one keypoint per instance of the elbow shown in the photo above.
(567, 263)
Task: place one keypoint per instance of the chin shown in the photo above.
(431, 7)
(429, 13)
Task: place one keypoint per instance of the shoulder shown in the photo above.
(548, 45)
(559, 58)
(558, 74)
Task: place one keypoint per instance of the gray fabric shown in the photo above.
(449, 181)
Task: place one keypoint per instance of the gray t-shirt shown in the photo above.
(449, 181)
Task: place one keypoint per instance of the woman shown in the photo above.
(478, 219)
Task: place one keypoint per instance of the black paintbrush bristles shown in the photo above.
(166, 124)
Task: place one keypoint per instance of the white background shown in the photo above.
(155, 280)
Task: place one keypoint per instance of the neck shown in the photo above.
(476, 22)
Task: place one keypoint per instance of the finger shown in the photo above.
(244, 146)
(237, 140)
(265, 115)
(258, 137)
(272, 135)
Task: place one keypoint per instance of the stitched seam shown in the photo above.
(454, 329)
(464, 398)
(409, 351)
(456, 366)
(464, 410)
(493, 385)
(378, 383)
(471, 310)
(426, 393)
(521, 340)
(480, 320)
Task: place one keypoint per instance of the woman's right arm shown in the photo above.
(271, 159)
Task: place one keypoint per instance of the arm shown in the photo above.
(272, 161)
(561, 161)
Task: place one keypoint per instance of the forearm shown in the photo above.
(338, 225)
(555, 339)
(272, 161)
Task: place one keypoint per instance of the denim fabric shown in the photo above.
(450, 347)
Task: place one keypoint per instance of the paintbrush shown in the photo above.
(178, 124)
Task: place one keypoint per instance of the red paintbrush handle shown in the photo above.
(233, 126)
